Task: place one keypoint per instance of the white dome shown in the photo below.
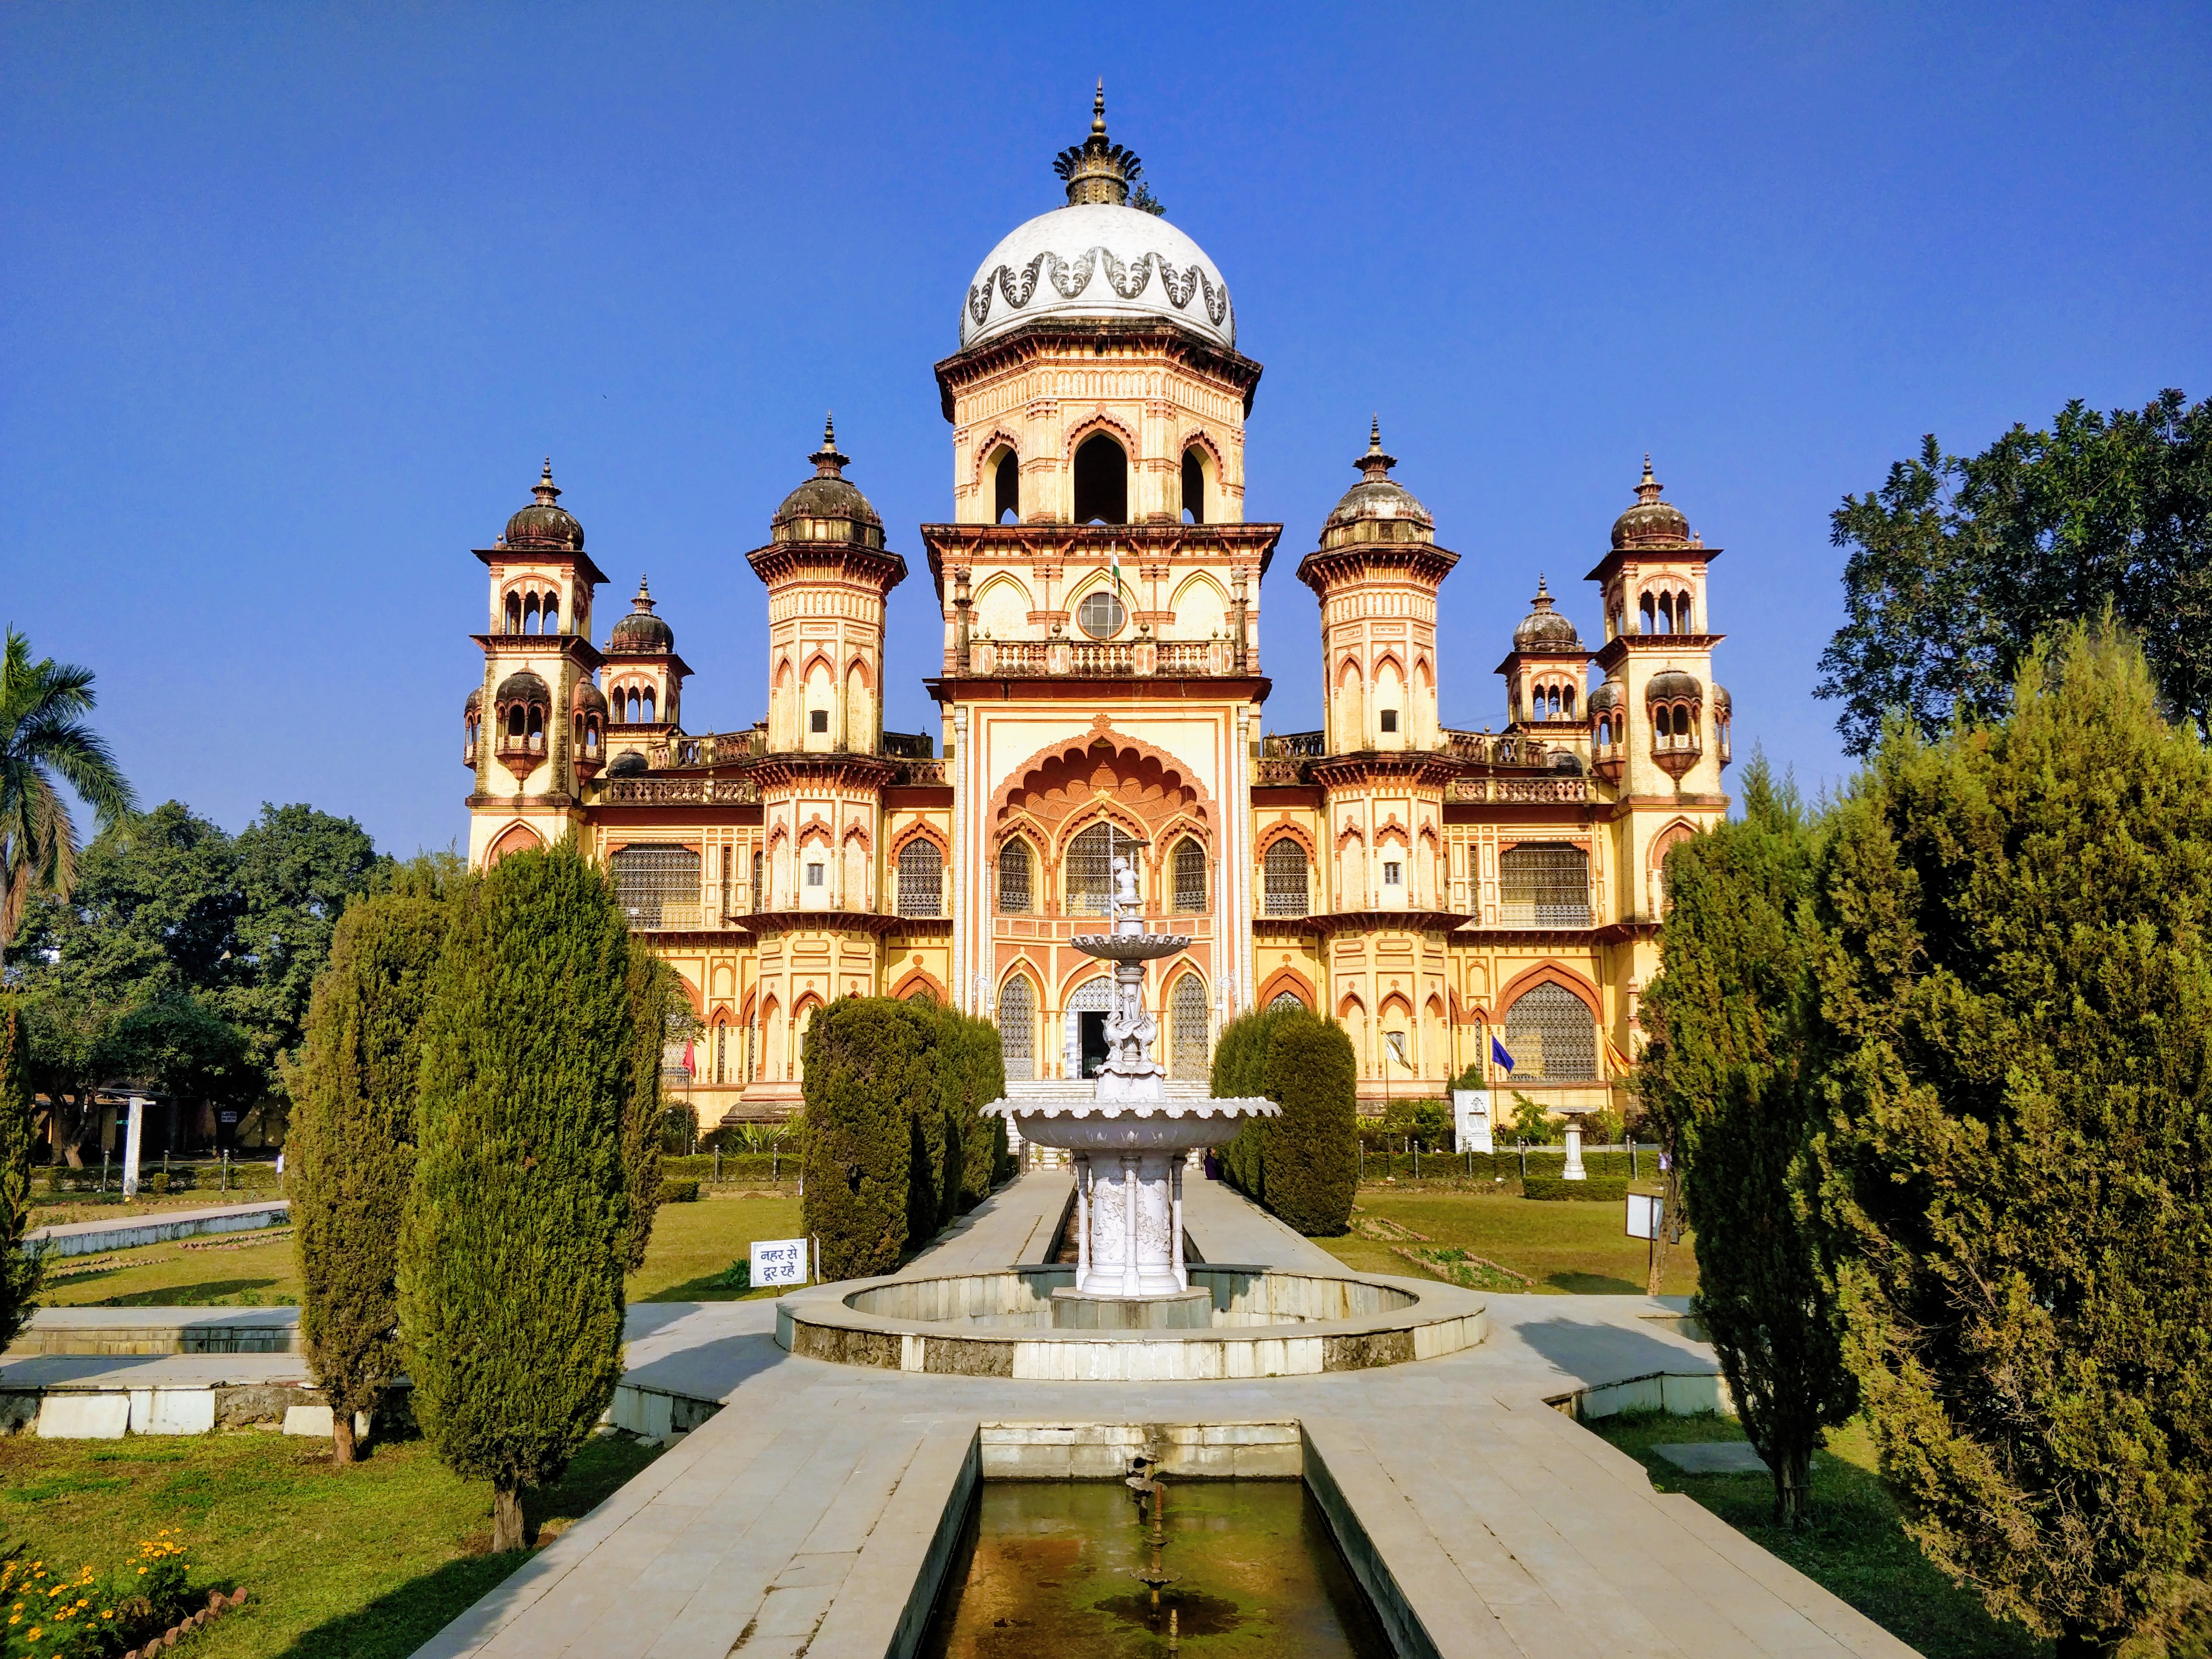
(1097, 260)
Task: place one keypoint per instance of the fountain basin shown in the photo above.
(1261, 1322)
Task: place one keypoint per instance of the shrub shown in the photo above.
(20, 1271)
(1531, 1123)
(510, 1285)
(84, 1614)
(659, 1009)
(973, 1070)
(351, 1145)
(1302, 1165)
(868, 1063)
(1603, 1127)
(1597, 1189)
(678, 1192)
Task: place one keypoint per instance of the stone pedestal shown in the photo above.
(1130, 1211)
(1179, 1310)
(1574, 1171)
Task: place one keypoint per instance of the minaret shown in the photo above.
(643, 681)
(1667, 721)
(538, 661)
(1544, 676)
(828, 575)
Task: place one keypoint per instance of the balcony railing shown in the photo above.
(1564, 790)
(1294, 745)
(1275, 770)
(1140, 658)
(707, 749)
(680, 792)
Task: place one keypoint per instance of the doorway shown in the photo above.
(1091, 1032)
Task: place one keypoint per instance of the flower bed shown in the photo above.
(141, 1607)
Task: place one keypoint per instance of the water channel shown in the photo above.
(1078, 1567)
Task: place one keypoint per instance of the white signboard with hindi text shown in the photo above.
(779, 1261)
(1646, 1213)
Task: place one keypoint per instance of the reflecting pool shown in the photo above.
(1079, 1568)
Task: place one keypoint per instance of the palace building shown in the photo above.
(1102, 696)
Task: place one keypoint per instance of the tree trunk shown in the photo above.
(1792, 1469)
(343, 1450)
(506, 1516)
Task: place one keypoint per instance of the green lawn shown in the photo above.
(693, 1244)
(1855, 1547)
(1570, 1247)
(367, 1562)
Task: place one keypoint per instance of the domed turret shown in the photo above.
(543, 524)
(588, 717)
(1543, 629)
(1097, 258)
(1652, 523)
(1672, 682)
(471, 726)
(627, 764)
(522, 709)
(1377, 508)
(827, 507)
(642, 633)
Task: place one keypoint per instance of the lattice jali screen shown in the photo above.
(1543, 885)
(658, 887)
(920, 878)
(1017, 1030)
(1552, 1036)
(1090, 871)
(1190, 878)
(1187, 1055)
(1283, 875)
(1014, 898)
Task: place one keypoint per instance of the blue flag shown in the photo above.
(1498, 1052)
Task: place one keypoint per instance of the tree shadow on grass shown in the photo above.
(208, 1292)
(402, 1619)
(710, 1287)
(1576, 1283)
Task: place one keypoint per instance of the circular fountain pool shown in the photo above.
(1243, 1322)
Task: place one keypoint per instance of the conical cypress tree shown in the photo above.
(1732, 1076)
(510, 1272)
(657, 1001)
(2016, 1164)
(868, 1060)
(351, 1144)
(1311, 1150)
(19, 1272)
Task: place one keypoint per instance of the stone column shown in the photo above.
(133, 1139)
(1132, 1283)
(1175, 1224)
(1082, 1220)
(1574, 1169)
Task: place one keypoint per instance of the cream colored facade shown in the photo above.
(1101, 696)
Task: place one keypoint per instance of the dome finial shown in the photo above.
(644, 600)
(1098, 172)
(546, 490)
(826, 461)
(1647, 487)
(1375, 464)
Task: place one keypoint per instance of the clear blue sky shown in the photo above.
(293, 298)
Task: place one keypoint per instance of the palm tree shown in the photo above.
(42, 735)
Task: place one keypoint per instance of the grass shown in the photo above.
(368, 1561)
(1569, 1248)
(693, 1246)
(1856, 1547)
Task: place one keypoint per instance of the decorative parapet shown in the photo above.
(1139, 659)
(1554, 789)
(679, 792)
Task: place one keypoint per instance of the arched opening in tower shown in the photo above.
(1193, 488)
(1008, 485)
(1102, 481)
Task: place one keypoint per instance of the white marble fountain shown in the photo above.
(1130, 1143)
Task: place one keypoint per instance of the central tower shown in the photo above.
(1100, 587)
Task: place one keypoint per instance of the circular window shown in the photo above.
(1100, 614)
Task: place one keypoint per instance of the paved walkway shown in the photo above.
(127, 1232)
(1510, 1529)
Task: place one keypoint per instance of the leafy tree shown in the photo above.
(352, 1145)
(44, 739)
(20, 1270)
(1733, 1076)
(1959, 564)
(2015, 1165)
(659, 1009)
(1531, 1123)
(868, 1063)
(295, 870)
(181, 1046)
(510, 1274)
(1429, 1121)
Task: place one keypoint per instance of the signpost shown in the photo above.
(779, 1261)
(1646, 1215)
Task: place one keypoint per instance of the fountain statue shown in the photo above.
(1129, 1143)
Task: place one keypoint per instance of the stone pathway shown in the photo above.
(1509, 1529)
(128, 1232)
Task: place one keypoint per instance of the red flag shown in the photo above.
(688, 1065)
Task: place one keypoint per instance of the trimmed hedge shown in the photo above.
(678, 1192)
(1304, 1166)
(1505, 1162)
(782, 1168)
(1595, 1190)
(896, 1144)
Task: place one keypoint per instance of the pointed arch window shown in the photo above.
(1543, 885)
(1187, 1045)
(1014, 886)
(1101, 481)
(1284, 877)
(650, 881)
(1193, 487)
(1091, 858)
(1017, 1029)
(1552, 1036)
(1006, 489)
(1190, 877)
(920, 878)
